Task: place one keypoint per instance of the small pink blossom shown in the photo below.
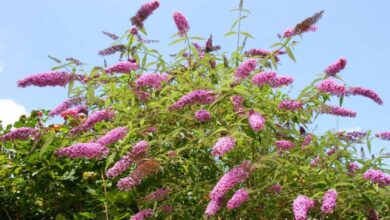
(383, 135)
(329, 201)
(336, 67)
(332, 87)
(352, 167)
(223, 145)
(314, 162)
(290, 105)
(307, 140)
(143, 214)
(256, 121)
(122, 67)
(245, 69)
(377, 176)
(238, 199)
(181, 23)
(238, 104)
(263, 78)
(281, 81)
(203, 115)
(284, 145)
(301, 207)
(196, 97)
(151, 80)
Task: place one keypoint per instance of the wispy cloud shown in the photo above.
(10, 111)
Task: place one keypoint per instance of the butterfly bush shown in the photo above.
(190, 136)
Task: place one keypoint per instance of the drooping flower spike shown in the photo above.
(181, 23)
(336, 67)
(144, 12)
(51, 78)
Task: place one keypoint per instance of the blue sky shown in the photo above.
(30, 30)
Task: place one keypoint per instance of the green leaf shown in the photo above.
(46, 145)
(177, 41)
(91, 98)
(197, 38)
(70, 87)
(246, 34)
(237, 21)
(290, 53)
(230, 33)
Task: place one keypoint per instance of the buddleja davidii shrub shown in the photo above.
(181, 136)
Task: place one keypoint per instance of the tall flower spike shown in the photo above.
(230, 179)
(122, 67)
(213, 207)
(307, 24)
(383, 135)
(336, 67)
(181, 23)
(329, 201)
(238, 199)
(196, 97)
(263, 78)
(83, 150)
(223, 145)
(23, 133)
(51, 78)
(112, 136)
(332, 87)
(245, 69)
(144, 12)
(256, 121)
(338, 111)
(366, 93)
(301, 207)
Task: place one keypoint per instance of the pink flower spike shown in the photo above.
(301, 207)
(181, 23)
(113, 136)
(383, 135)
(338, 111)
(213, 207)
(223, 145)
(290, 105)
(329, 201)
(336, 67)
(202, 116)
(143, 214)
(332, 87)
(281, 81)
(245, 69)
(366, 93)
(144, 12)
(263, 78)
(256, 121)
(284, 145)
(51, 78)
(122, 67)
(238, 199)
(83, 150)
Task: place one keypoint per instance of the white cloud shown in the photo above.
(10, 111)
(1, 69)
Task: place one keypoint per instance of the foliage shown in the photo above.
(35, 183)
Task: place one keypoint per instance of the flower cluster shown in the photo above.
(301, 207)
(143, 214)
(284, 145)
(238, 199)
(213, 207)
(238, 104)
(111, 50)
(314, 162)
(181, 23)
(352, 167)
(245, 69)
(196, 97)
(73, 112)
(51, 78)
(144, 169)
(336, 67)
(290, 32)
(329, 201)
(122, 67)
(332, 87)
(377, 176)
(83, 150)
(157, 195)
(236, 175)
(110, 35)
(64, 106)
(23, 133)
(113, 136)
(151, 80)
(339, 111)
(203, 115)
(290, 105)
(352, 136)
(94, 118)
(263, 53)
(281, 81)
(223, 145)
(256, 121)
(125, 162)
(383, 135)
(366, 93)
(144, 12)
(307, 140)
(263, 78)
